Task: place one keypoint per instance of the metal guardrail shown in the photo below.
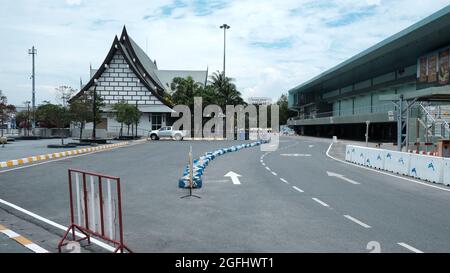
(356, 111)
(431, 122)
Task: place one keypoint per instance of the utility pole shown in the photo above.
(225, 27)
(33, 52)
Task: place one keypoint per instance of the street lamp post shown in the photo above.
(224, 27)
(94, 108)
(27, 123)
(33, 52)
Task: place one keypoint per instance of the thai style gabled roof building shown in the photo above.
(128, 74)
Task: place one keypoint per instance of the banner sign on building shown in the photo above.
(423, 69)
(432, 68)
(443, 67)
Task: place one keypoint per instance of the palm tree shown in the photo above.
(226, 91)
(184, 91)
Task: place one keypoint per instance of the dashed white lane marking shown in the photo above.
(264, 164)
(297, 189)
(413, 249)
(267, 168)
(274, 173)
(284, 180)
(382, 172)
(320, 202)
(357, 221)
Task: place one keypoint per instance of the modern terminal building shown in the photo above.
(412, 65)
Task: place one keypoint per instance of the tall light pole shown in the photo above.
(33, 52)
(94, 112)
(27, 123)
(225, 27)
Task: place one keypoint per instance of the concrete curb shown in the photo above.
(22, 240)
(25, 160)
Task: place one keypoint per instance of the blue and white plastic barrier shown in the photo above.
(429, 168)
(200, 164)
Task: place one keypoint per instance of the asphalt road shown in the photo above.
(285, 202)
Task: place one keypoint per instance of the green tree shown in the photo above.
(64, 93)
(131, 116)
(226, 91)
(6, 110)
(53, 116)
(23, 119)
(83, 110)
(184, 91)
(121, 113)
(285, 113)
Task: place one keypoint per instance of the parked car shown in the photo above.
(167, 132)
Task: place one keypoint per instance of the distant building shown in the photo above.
(259, 100)
(413, 63)
(128, 74)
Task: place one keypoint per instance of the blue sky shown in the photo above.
(271, 46)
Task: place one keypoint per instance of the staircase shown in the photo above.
(435, 119)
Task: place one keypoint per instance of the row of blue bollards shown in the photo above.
(200, 164)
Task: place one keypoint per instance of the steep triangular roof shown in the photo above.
(141, 57)
(135, 61)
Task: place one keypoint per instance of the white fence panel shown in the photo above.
(359, 155)
(397, 162)
(349, 151)
(446, 171)
(425, 167)
(374, 158)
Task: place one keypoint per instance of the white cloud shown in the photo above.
(73, 2)
(272, 46)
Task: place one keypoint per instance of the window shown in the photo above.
(156, 120)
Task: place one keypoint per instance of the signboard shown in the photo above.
(423, 69)
(443, 74)
(391, 115)
(432, 68)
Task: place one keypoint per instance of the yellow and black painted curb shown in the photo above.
(22, 240)
(30, 159)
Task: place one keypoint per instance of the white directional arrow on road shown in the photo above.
(295, 155)
(234, 177)
(340, 176)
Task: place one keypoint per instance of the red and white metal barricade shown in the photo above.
(95, 208)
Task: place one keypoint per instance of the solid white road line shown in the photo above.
(413, 249)
(274, 173)
(297, 189)
(56, 225)
(320, 202)
(284, 180)
(382, 172)
(36, 249)
(357, 221)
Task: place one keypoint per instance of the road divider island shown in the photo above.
(200, 164)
